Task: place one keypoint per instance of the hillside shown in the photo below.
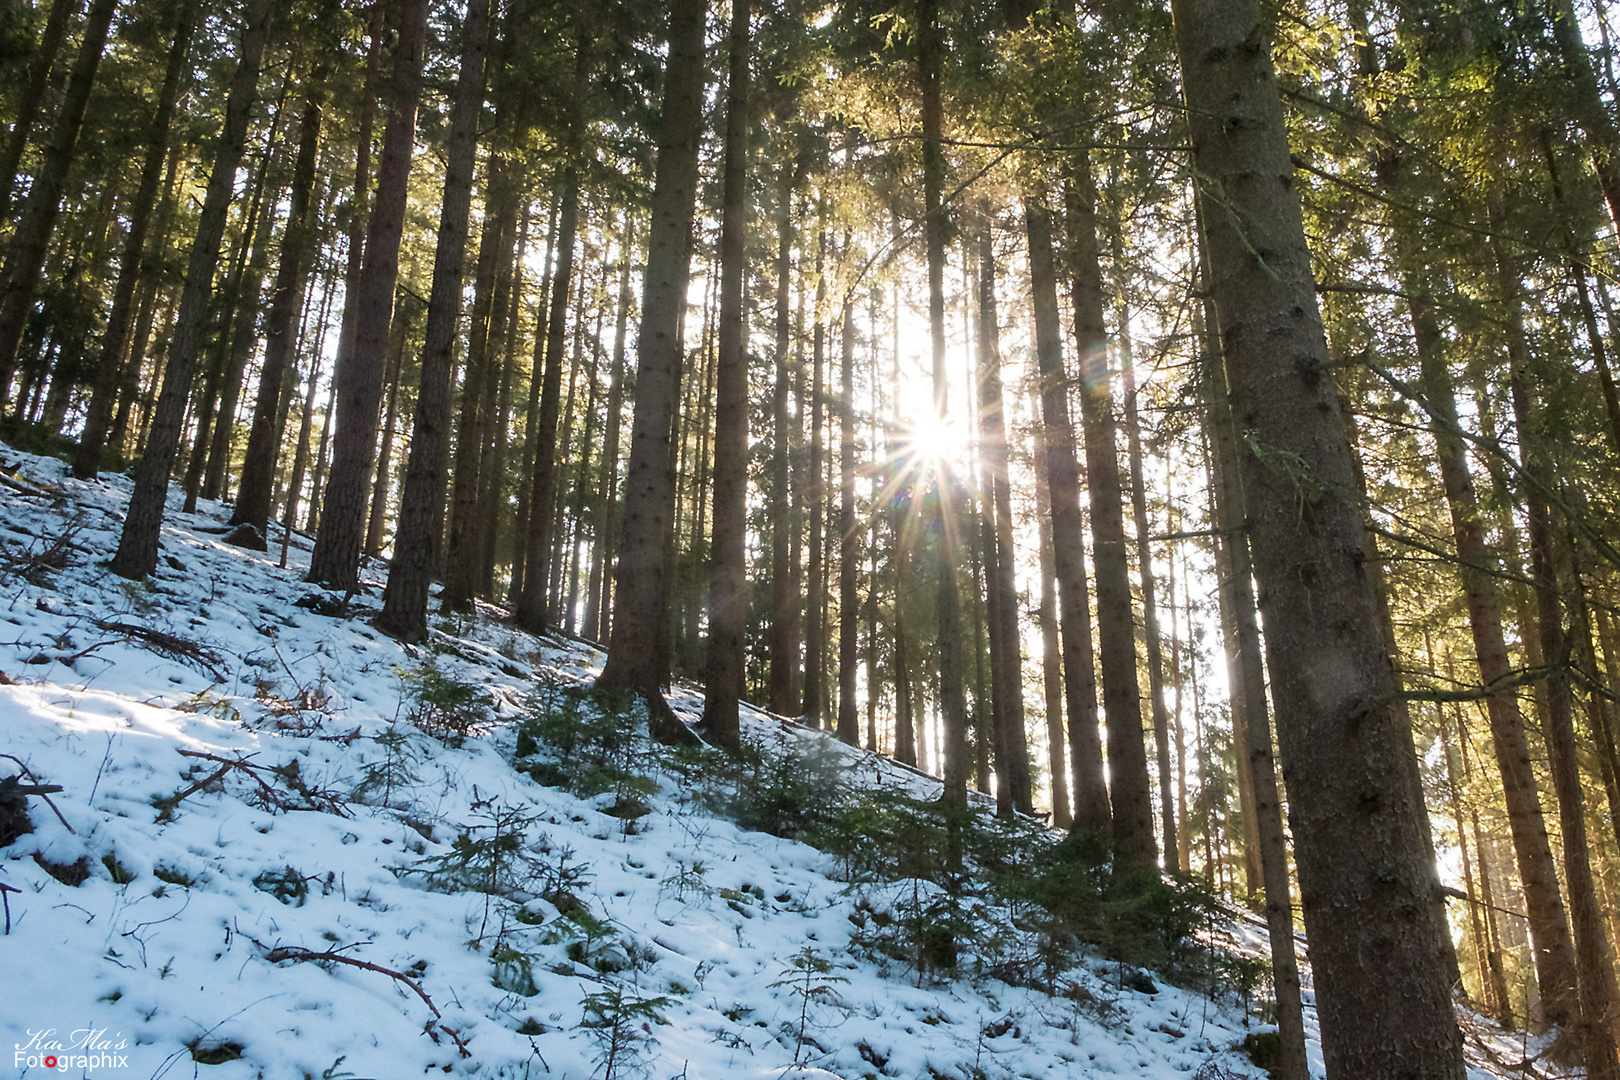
(289, 846)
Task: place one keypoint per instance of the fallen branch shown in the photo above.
(274, 799)
(170, 645)
(299, 955)
(22, 487)
(44, 794)
(166, 806)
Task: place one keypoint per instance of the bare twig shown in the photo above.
(301, 955)
(287, 773)
(46, 795)
(170, 645)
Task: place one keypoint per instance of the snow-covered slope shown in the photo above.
(284, 876)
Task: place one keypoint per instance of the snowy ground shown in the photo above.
(669, 943)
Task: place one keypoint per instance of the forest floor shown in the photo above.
(287, 846)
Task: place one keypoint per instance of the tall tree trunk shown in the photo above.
(115, 337)
(815, 630)
(1128, 785)
(531, 413)
(784, 633)
(1051, 650)
(265, 435)
(493, 484)
(33, 93)
(383, 482)
(728, 589)
(1007, 661)
(463, 546)
(404, 612)
(639, 597)
(137, 554)
(231, 322)
(952, 700)
(1594, 969)
(531, 607)
(301, 447)
(335, 562)
(244, 334)
(1264, 840)
(849, 537)
(1150, 603)
(20, 279)
(1369, 889)
(1091, 811)
(1553, 950)
(600, 603)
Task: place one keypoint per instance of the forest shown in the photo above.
(1191, 423)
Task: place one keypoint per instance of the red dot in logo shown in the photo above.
(50, 1062)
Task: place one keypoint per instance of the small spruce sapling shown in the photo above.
(620, 1022)
(810, 978)
(439, 703)
(395, 771)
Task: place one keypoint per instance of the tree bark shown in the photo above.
(952, 699)
(640, 601)
(1091, 810)
(115, 337)
(1128, 785)
(463, 545)
(1007, 660)
(335, 561)
(1553, 951)
(849, 536)
(19, 282)
(264, 437)
(729, 589)
(137, 554)
(1173, 846)
(28, 104)
(1594, 968)
(405, 598)
(1369, 889)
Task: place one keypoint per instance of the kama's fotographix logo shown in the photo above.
(83, 1050)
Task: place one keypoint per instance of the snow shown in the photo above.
(719, 952)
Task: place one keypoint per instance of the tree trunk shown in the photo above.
(1369, 889)
(463, 546)
(815, 630)
(405, 596)
(640, 600)
(1264, 840)
(600, 603)
(952, 700)
(335, 561)
(137, 554)
(286, 295)
(1051, 650)
(28, 103)
(1594, 969)
(784, 634)
(1091, 811)
(1007, 660)
(729, 589)
(383, 482)
(1553, 951)
(849, 537)
(1128, 785)
(1150, 605)
(20, 280)
(115, 337)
